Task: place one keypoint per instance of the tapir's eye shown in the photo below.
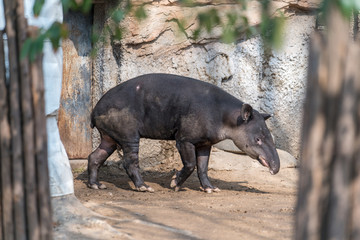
(258, 141)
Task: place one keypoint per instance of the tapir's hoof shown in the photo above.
(97, 186)
(145, 189)
(173, 182)
(93, 186)
(215, 189)
(210, 190)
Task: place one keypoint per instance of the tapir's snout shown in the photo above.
(274, 170)
(272, 163)
(266, 154)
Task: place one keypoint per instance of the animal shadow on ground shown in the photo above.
(114, 174)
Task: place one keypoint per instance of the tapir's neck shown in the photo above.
(230, 108)
(228, 129)
(222, 134)
(225, 133)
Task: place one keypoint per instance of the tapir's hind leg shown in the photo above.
(97, 158)
(131, 165)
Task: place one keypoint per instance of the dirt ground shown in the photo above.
(252, 204)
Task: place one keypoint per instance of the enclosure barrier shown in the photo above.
(329, 181)
(25, 211)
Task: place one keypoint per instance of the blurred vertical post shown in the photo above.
(329, 186)
(7, 228)
(25, 196)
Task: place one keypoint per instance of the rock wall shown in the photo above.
(272, 81)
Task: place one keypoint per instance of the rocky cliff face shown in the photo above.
(271, 81)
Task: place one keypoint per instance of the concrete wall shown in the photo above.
(272, 82)
(75, 105)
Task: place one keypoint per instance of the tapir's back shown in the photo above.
(170, 86)
(163, 90)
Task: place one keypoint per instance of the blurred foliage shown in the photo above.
(347, 7)
(57, 31)
(236, 24)
(233, 24)
(34, 45)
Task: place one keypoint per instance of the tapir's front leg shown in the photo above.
(188, 158)
(131, 165)
(202, 161)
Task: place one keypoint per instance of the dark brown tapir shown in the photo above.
(194, 113)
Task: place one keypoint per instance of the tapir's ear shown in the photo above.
(246, 112)
(265, 116)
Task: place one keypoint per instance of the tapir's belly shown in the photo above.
(159, 125)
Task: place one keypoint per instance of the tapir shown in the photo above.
(194, 113)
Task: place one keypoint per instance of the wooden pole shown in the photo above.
(329, 181)
(5, 153)
(42, 171)
(25, 195)
(15, 121)
(27, 128)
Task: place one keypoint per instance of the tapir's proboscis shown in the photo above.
(194, 113)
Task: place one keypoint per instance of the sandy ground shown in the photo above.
(252, 204)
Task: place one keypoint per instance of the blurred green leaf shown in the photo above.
(69, 4)
(128, 6)
(196, 33)
(25, 48)
(181, 25)
(86, 6)
(243, 4)
(54, 34)
(118, 34)
(32, 47)
(277, 38)
(118, 15)
(37, 46)
(357, 5)
(228, 35)
(347, 7)
(232, 18)
(271, 30)
(209, 19)
(187, 3)
(251, 31)
(265, 5)
(244, 20)
(38, 4)
(94, 37)
(140, 13)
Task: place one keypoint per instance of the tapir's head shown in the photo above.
(253, 137)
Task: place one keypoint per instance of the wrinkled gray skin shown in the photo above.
(169, 107)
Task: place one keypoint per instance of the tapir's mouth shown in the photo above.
(263, 162)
